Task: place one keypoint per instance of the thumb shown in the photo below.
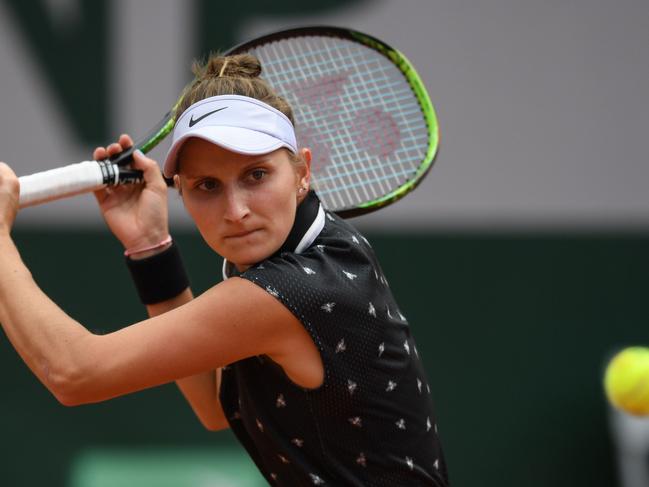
(149, 167)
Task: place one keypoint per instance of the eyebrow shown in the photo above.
(263, 159)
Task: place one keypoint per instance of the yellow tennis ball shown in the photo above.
(627, 380)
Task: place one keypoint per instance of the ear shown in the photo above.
(304, 170)
(177, 184)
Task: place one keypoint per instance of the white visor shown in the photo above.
(236, 123)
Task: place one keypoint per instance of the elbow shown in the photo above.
(67, 397)
(68, 401)
(69, 388)
(214, 424)
(215, 428)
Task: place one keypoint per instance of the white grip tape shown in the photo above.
(60, 183)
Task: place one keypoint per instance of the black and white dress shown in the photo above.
(371, 422)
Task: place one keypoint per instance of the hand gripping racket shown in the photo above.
(358, 104)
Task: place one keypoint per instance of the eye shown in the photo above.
(258, 174)
(207, 185)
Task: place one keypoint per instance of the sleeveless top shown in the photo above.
(371, 422)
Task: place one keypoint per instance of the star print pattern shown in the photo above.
(361, 460)
(410, 463)
(356, 421)
(272, 291)
(328, 307)
(350, 276)
(362, 336)
(316, 480)
(280, 402)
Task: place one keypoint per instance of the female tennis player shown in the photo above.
(301, 350)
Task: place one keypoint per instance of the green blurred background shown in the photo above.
(513, 330)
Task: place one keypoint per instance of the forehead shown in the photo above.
(198, 155)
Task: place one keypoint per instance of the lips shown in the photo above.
(241, 234)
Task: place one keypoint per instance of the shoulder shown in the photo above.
(339, 266)
(339, 249)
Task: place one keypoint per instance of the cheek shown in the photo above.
(278, 204)
(202, 213)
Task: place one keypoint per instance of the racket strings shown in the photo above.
(357, 112)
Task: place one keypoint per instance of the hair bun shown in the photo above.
(231, 75)
(237, 66)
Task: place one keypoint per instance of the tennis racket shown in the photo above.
(358, 104)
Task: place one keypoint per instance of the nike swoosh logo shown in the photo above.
(193, 121)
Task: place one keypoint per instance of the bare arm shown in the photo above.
(202, 335)
(138, 218)
(201, 390)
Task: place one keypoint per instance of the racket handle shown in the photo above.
(74, 179)
(123, 158)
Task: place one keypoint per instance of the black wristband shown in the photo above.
(159, 277)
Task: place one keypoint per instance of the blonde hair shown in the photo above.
(232, 75)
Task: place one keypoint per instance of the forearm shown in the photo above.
(200, 390)
(202, 394)
(48, 340)
(159, 308)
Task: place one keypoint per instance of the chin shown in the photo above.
(250, 257)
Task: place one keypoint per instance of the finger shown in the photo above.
(114, 148)
(99, 154)
(101, 195)
(149, 167)
(8, 178)
(105, 193)
(125, 141)
(6, 171)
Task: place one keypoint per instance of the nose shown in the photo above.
(236, 205)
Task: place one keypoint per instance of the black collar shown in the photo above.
(305, 217)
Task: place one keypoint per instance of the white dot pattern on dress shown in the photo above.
(370, 413)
